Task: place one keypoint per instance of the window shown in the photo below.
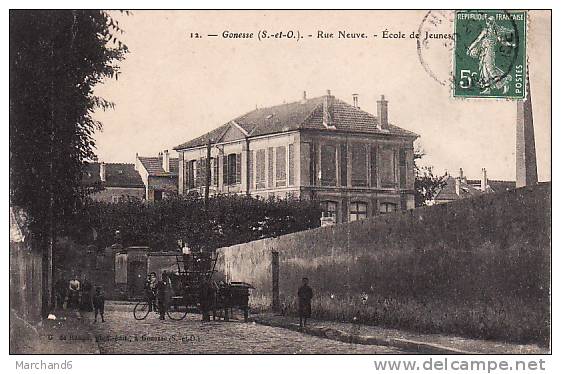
(280, 160)
(200, 172)
(260, 178)
(191, 174)
(328, 165)
(157, 195)
(214, 171)
(232, 169)
(357, 211)
(387, 208)
(312, 165)
(388, 168)
(115, 199)
(329, 209)
(358, 167)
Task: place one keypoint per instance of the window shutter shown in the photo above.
(343, 164)
(250, 170)
(238, 168)
(291, 164)
(271, 160)
(373, 167)
(190, 181)
(225, 170)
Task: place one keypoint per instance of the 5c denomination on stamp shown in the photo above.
(490, 54)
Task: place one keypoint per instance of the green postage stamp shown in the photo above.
(490, 54)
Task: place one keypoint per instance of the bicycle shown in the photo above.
(142, 309)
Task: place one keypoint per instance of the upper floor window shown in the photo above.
(280, 161)
(388, 168)
(358, 211)
(328, 165)
(329, 209)
(359, 175)
(387, 208)
(260, 169)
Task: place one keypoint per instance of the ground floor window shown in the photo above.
(387, 208)
(329, 209)
(358, 211)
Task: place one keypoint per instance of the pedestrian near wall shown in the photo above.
(99, 304)
(305, 295)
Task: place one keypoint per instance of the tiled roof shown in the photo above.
(496, 185)
(301, 115)
(116, 175)
(448, 191)
(153, 166)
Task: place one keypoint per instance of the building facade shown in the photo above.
(113, 182)
(354, 163)
(159, 175)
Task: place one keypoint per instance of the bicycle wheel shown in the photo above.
(141, 310)
(177, 312)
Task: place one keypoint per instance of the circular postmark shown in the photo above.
(478, 57)
(434, 52)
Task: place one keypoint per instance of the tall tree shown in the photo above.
(56, 59)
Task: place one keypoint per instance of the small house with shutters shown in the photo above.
(159, 175)
(354, 163)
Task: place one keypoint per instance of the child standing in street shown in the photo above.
(99, 304)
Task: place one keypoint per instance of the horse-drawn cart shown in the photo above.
(192, 287)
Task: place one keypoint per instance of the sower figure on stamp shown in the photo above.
(98, 304)
(305, 295)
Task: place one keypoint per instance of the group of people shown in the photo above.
(158, 292)
(77, 294)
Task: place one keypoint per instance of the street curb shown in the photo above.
(342, 336)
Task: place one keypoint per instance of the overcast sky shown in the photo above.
(174, 88)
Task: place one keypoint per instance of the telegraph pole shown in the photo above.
(207, 181)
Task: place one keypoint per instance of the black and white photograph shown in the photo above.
(363, 183)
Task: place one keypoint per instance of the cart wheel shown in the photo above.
(141, 310)
(245, 315)
(177, 312)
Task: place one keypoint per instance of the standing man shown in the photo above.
(74, 292)
(305, 295)
(162, 293)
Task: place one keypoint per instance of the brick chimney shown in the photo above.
(304, 98)
(102, 174)
(355, 101)
(327, 111)
(484, 181)
(165, 161)
(458, 184)
(383, 113)
(461, 174)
